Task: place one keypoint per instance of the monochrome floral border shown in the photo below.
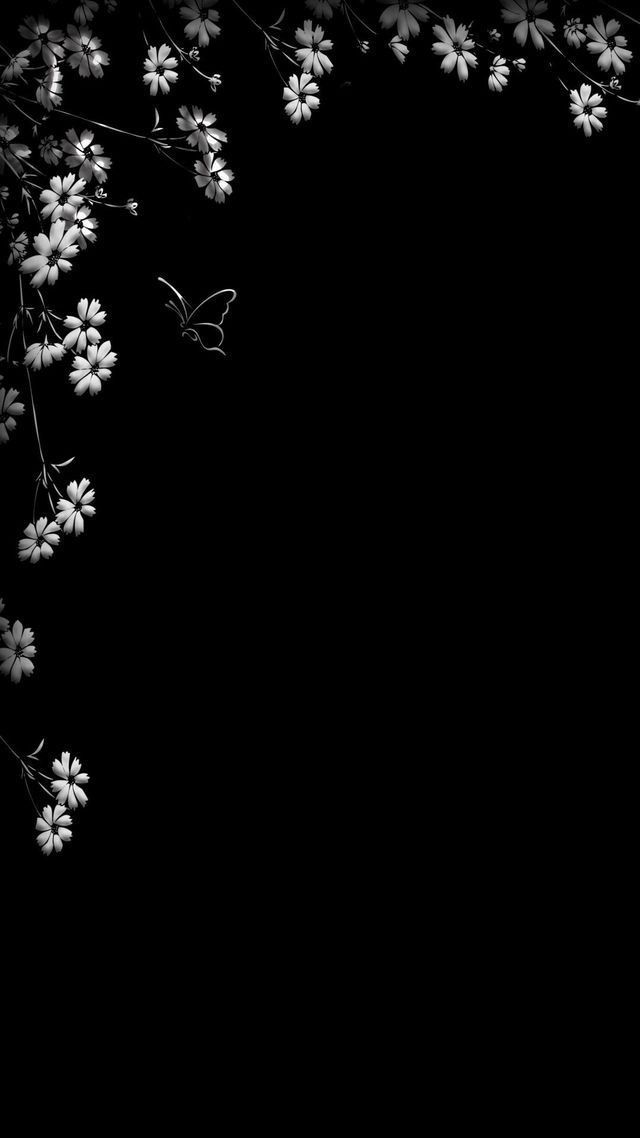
(52, 193)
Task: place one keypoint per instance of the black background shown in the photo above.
(357, 518)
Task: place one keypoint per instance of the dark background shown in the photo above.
(364, 512)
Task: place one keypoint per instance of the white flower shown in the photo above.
(574, 32)
(86, 155)
(519, 64)
(53, 254)
(17, 248)
(68, 785)
(86, 225)
(454, 47)
(15, 66)
(4, 623)
(526, 15)
(203, 133)
(498, 74)
(85, 55)
(63, 196)
(49, 89)
(85, 12)
(50, 150)
(53, 829)
(84, 326)
(73, 510)
(312, 55)
(40, 539)
(406, 17)
(202, 22)
(301, 98)
(91, 372)
(42, 39)
(17, 653)
(211, 173)
(610, 48)
(11, 150)
(43, 354)
(323, 9)
(159, 67)
(399, 49)
(587, 110)
(9, 409)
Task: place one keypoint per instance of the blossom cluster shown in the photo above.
(53, 825)
(460, 47)
(65, 787)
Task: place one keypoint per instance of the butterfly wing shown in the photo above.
(181, 309)
(205, 322)
(214, 307)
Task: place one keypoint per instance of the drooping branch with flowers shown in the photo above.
(54, 170)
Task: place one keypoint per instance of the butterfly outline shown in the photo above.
(186, 314)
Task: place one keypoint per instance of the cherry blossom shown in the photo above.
(53, 255)
(72, 511)
(40, 539)
(53, 829)
(301, 98)
(16, 655)
(68, 786)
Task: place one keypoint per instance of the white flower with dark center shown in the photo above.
(53, 829)
(574, 32)
(454, 46)
(73, 510)
(40, 539)
(43, 354)
(211, 173)
(53, 254)
(399, 49)
(11, 149)
(63, 197)
(4, 623)
(16, 655)
(70, 780)
(312, 55)
(18, 248)
(587, 110)
(86, 224)
(405, 16)
(202, 134)
(611, 49)
(301, 98)
(498, 74)
(50, 150)
(10, 409)
(90, 373)
(84, 326)
(15, 67)
(49, 89)
(526, 15)
(85, 12)
(202, 21)
(42, 39)
(159, 69)
(85, 155)
(86, 56)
